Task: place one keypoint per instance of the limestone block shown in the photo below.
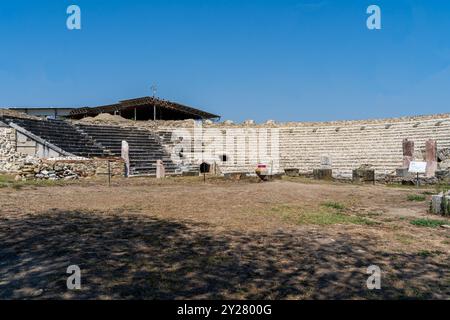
(403, 172)
(325, 162)
(431, 157)
(160, 170)
(126, 157)
(363, 175)
(292, 172)
(444, 165)
(323, 174)
(440, 204)
(408, 152)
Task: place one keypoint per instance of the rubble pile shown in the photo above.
(68, 169)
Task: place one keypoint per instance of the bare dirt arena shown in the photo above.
(181, 238)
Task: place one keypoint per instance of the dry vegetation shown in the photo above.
(182, 238)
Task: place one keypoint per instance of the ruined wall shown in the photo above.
(17, 150)
(347, 144)
(10, 159)
(69, 169)
(351, 145)
(226, 149)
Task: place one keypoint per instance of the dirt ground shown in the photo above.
(180, 238)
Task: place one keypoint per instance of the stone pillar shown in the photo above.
(160, 170)
(408, 152)
(431, 157)
(126, 157)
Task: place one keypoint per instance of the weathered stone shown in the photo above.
(408, 152)
(325, 162)
(236, 176)
(436, 202)
(431, 157)
(323, 174)
(444, 165)
(444, 154)
(440, 204)
(160, 170)
(402, 172)
(363, 176)
(443, 176)
(126, 157)
(292, 172)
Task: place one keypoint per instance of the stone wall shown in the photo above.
(69, 169)
(227, 150)
(353, 145)
(347, 144)
(10, 159)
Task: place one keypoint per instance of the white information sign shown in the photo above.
(417, 167)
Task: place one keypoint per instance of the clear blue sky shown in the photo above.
(283, 60)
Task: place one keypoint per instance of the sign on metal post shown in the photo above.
(417, 167)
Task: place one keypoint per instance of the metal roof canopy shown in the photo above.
(142, 109)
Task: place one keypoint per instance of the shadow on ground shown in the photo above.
(138, 257)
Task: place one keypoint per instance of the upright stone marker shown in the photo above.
(126, 157)
(431, 157)
(408, 152)
(325, 162)
(160, 170)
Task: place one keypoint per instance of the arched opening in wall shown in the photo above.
(205, 167)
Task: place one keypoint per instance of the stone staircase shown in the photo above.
(61, 134)
(145, 148)
(187, 167)
(102, 141)
(348, 145)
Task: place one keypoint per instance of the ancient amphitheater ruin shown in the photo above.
(87, 144)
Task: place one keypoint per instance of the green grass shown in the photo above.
(333, 205)
(428, 253)
(7, 181)
(429, 223)
(442, 187)
(331, 218)
(416, 197)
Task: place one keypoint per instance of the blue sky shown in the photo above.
(301, 60)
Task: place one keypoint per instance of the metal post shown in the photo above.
(109, 173)
(154, 88)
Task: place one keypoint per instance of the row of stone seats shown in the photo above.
(101, 141)
(61, 134)
(301, 147)
(377, 144)
(145, 148)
